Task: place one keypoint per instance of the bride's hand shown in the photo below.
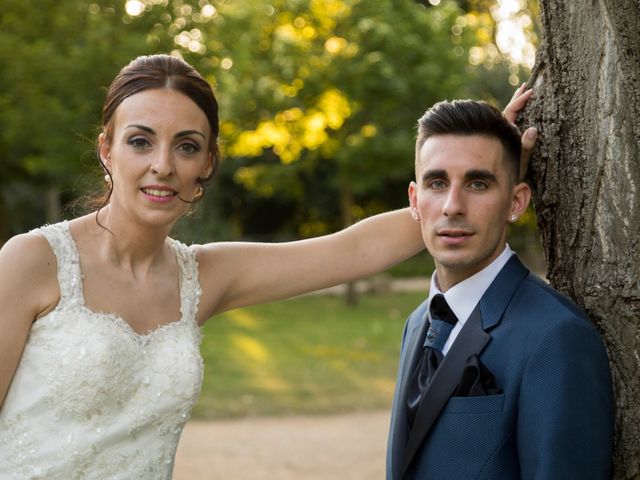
(520, 98)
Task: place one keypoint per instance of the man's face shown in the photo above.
(465, 196)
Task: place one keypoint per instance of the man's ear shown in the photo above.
(413, 201)
(521, 196)
(104, 151)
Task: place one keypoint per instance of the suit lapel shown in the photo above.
(413, 351)
(415, 331)
(495, 300)
(471, 340)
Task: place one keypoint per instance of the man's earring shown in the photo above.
(415, 214)
(513, 218)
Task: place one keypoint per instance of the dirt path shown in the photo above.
(341, 447)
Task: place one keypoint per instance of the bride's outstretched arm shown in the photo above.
(518, 101)
(236, 274)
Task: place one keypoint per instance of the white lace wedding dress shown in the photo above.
(92, 399)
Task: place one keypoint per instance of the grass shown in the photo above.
(307, 355)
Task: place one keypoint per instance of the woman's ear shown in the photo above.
(104, 151)
(208, 169)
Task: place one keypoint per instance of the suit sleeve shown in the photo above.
(565, 415)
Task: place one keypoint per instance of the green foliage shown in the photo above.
(305, 355)
(57, 58)
(330, 91)
(319, 101)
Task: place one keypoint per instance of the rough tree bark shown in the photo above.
(586, 176)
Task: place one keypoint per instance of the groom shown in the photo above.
(500, 377)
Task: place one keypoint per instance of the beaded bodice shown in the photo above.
(91, 398)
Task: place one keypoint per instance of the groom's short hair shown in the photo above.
(471, 117)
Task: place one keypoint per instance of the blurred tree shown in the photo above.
(56, 57)
(326, 93)
(586, 175)
(318, 99)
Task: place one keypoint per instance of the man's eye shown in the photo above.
(437, 184)
(479, 185)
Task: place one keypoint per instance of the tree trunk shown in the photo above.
(586, 174)
(346, 206)
(54, 209)
(4, 221)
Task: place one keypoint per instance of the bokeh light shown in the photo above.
(208, 11)
(134, 7)
(512, 36)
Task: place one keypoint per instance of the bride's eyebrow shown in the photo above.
(184, 133)
(142, 127)
(150, 130)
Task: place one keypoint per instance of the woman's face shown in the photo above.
(159, 149)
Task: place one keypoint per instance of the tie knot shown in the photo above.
(440, 310)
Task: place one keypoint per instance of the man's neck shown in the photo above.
(447, 278)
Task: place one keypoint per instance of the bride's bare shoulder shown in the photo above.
(27, 249)
(33, 268)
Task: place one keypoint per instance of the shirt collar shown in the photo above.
(464, 296)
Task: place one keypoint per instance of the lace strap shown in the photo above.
(190, 290)
(68, 263)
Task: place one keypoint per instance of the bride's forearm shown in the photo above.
(250, 273)
(383, 240)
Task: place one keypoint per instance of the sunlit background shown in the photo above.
(513, 37)
(318, 106)
(318, 99)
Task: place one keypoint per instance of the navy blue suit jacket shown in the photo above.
(554, 419)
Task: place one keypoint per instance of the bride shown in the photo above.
(100, 316)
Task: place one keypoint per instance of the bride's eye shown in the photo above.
(139, 143)
(189, 148)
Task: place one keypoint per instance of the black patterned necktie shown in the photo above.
(442, 321)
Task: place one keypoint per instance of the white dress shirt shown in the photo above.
(464, 296)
